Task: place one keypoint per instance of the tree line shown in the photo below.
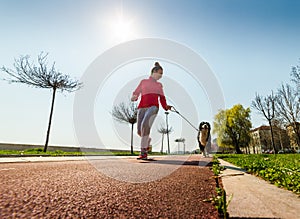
(232, 126)
(280, 108)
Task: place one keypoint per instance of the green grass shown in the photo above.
(216, 167)
(220, 202)
(39, 151)
(283, 170)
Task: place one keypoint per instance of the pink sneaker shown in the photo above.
(143, 156)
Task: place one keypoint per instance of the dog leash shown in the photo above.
(175, 111)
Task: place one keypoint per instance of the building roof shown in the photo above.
(291, 124)
(265, 127)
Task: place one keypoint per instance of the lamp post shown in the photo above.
(167, 113)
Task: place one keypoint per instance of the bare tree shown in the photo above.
(162, 130)
(280, 133)
(266, 107)
(41, 75)
(288, 108)
(126, 113)
(295, 77)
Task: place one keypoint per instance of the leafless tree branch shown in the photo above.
(288, 108)
(126, 113)
(163, 130)
(38, 75)
(266, 106)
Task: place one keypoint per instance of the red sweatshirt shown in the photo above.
(150, 90)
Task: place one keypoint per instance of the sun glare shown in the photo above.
(122, 29)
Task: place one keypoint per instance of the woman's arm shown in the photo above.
(163, 100)
(137, 92)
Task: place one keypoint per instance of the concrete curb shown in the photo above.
(255, 198)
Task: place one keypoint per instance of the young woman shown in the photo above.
(151, 90)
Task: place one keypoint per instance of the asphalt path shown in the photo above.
(168, 187)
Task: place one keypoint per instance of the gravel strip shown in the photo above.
(75, 189)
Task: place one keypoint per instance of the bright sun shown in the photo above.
(122, 28)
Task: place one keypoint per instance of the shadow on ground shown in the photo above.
(179, 162)
(235, 168)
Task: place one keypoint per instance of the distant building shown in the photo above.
(293, 137)
(214, 146)
(261, 140)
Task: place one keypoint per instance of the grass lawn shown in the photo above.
(39, 151)
(283, 170)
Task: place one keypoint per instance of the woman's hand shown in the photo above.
(134, 98)
(169, 107)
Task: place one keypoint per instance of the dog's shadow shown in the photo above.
(184, 163)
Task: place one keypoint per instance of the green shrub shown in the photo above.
(34, 150)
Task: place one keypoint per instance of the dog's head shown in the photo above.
(203, 134)
(204, 126)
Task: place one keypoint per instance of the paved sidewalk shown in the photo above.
(256, 198)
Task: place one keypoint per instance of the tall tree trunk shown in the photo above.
(237, 147)
(168, 132)
(297, 133)
(50, 119)
(131, 146)
(168, 143)
(280, 140)
(236, 144)
(272, 137)
(162, 143)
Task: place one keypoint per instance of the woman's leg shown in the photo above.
(148, 118)
(140, 118)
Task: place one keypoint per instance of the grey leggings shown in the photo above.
(145, 119)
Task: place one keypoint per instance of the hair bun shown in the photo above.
(156, 67)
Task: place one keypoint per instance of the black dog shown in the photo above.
(204, 136)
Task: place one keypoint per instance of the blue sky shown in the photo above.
(250, 45)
